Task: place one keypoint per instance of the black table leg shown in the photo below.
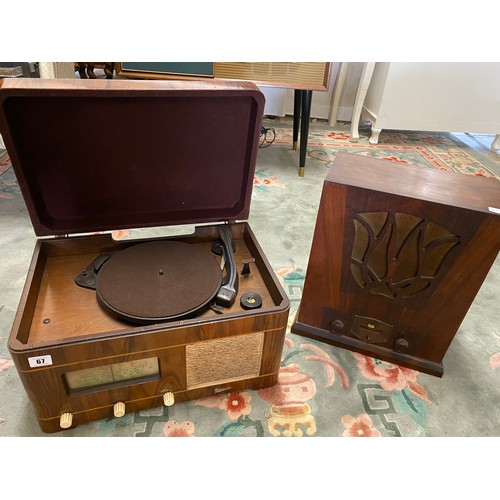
(304, 129)
(297, 105)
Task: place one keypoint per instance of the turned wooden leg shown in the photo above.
(90, 71)
(81, 70)
(374, 136)
(108, 70)
(304, 129)
(297, 105)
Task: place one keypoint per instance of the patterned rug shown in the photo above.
(322, 390)
(4, 161)
(439, 150)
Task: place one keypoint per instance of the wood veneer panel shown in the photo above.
(65, 310)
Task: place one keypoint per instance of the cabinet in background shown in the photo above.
(437, 96)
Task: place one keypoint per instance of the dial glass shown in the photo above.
(114, 375)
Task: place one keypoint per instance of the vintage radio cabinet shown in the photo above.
(106, 327)
(399, 252)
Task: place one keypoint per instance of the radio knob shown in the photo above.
(401, 345)
(168, 398)
(66, 420)
(119, 409)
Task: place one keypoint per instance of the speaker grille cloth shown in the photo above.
(223, 360)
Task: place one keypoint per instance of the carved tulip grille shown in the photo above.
(398, 255)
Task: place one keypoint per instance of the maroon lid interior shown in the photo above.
(112, 155)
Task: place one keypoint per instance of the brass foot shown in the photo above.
(294, 146)
(302, 171)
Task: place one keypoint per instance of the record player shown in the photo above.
(106, 327)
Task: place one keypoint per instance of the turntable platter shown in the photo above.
(157, 281)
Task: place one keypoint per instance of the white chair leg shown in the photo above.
(374, 136)
(364, 82)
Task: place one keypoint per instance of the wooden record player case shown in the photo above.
(92, 156)
(399, 252)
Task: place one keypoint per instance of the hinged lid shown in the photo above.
(94, 155)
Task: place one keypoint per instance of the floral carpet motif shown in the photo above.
(438, 150)
(322, 390)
